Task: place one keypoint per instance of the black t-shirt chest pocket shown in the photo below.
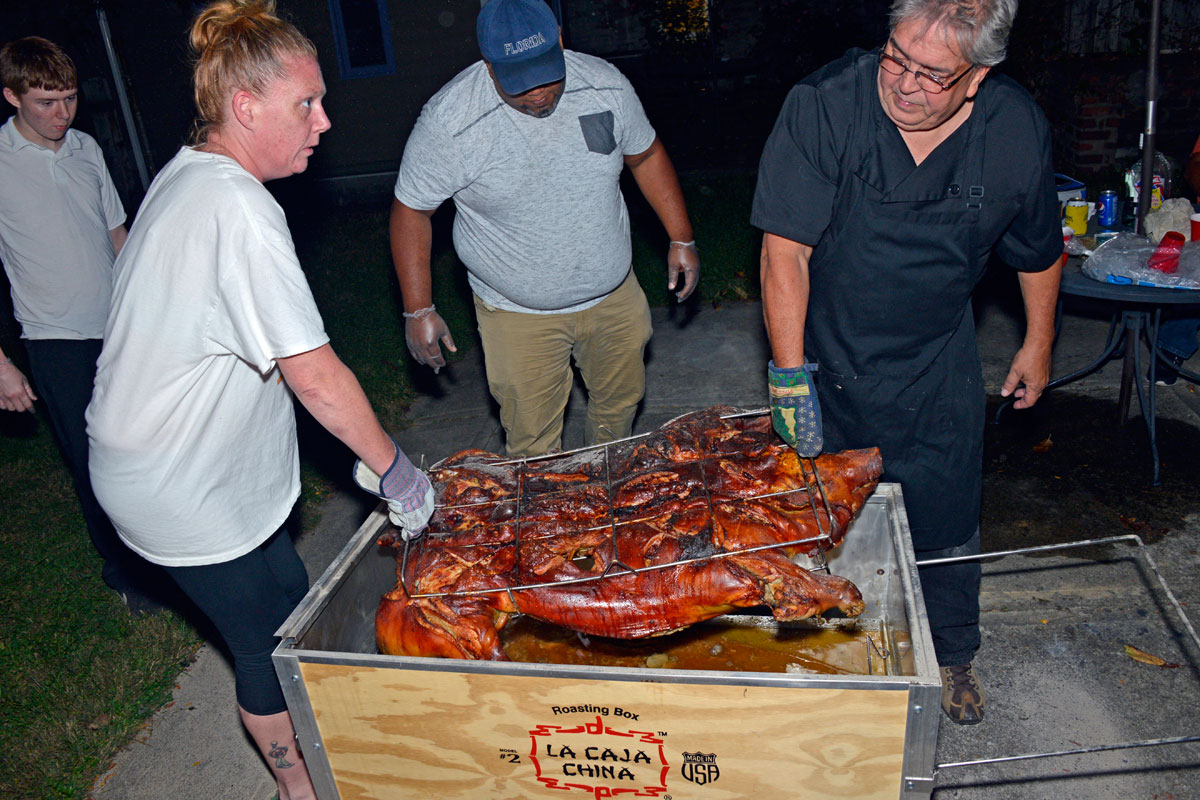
(924, 211)
(996, 217)
(598, 132)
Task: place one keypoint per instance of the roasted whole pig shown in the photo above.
(635, 538)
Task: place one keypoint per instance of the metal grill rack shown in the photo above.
(1143, 554)
(603, 454)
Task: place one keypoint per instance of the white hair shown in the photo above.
(980, 27)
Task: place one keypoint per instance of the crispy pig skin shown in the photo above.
(695, 489)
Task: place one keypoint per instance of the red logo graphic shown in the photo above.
(603, 761)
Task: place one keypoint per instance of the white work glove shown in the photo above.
(411, 523)
(406, 489)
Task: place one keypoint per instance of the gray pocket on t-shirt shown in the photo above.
(598, 132)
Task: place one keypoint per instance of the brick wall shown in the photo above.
(1097, 108)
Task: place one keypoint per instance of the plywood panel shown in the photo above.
(401, 733)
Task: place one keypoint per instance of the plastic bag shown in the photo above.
(1073, 245)
(1175, 215)
(1161, 180)
(1124, 259)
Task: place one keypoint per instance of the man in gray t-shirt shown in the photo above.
(530, 142)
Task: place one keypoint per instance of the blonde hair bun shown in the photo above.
(239, 44)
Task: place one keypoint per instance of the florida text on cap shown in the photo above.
(519, 38)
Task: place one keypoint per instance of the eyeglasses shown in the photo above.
(929, 83)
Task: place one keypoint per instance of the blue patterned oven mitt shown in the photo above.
(795, 412)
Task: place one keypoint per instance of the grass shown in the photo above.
(349, 267)
(719, 206)
(78, 676)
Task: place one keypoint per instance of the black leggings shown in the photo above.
(247, 599)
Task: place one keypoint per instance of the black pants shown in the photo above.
(247, 599)
(63, 371)
(952, 602)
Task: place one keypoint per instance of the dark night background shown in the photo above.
(711, 73)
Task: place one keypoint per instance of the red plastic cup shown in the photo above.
(1196, 227)
(1166, 256)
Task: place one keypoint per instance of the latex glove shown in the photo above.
(423, 330)
(408, 493)
(795, 411)
(683, 257)
(15, 392)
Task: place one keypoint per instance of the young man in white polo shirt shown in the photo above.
(61, 226)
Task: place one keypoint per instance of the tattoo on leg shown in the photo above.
(279, 753)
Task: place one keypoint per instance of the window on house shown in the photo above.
(363, 36)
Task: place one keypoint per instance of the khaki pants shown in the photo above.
(528, 360)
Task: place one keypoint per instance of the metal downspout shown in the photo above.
(135, 140)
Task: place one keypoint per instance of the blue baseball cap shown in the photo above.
(519, 38)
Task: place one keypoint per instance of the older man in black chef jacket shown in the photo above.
(889, 180)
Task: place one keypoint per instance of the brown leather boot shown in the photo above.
(962, 695)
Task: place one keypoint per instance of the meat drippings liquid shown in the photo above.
(715, 645)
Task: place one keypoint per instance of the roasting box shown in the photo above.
(382, 727)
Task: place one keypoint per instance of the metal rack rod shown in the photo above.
(1145, 553)
(812, 502)
(1129, 537)
(631, 570)
(756, 412)
(502, 500)
(1100, 748)
(823, 541)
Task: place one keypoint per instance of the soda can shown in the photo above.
(1106, 211)
(1077, 216)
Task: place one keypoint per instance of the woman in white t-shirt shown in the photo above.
(212, 328)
